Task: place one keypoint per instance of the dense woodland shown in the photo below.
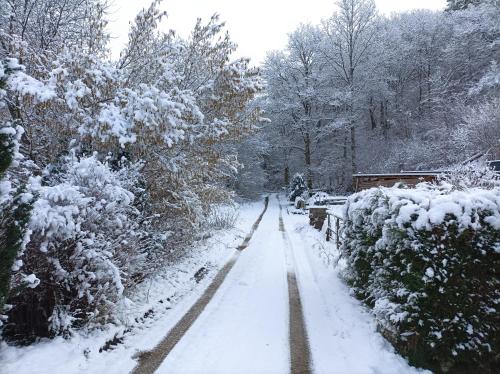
(365, 93)
(110, 169)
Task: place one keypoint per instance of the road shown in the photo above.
(275, 308)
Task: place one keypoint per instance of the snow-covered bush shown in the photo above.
(475, 174)
(14, 207)
(79, 250)
(298, 187)
(427, 261)
(221, 217)
(319, 198)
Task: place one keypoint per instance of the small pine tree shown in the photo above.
(297, 187)
(5, 255)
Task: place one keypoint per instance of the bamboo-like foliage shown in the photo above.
(147, 144)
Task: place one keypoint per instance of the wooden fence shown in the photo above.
(333, 229)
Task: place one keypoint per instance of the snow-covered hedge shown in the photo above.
(427, 260)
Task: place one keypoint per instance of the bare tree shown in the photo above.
(296, 90)
(349, 37)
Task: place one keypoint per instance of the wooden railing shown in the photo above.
(333, 232)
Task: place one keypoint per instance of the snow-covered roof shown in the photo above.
(406, 173)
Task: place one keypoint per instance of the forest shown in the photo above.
(364, 93)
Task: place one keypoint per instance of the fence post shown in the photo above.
(337, 229)
(328, 229)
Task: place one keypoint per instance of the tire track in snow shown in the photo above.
(149, 361)
(254, 227)
(300, 355)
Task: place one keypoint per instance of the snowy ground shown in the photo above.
(244, 328)
(157, 306)
(342, 334)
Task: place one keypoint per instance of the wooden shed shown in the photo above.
(411, 178)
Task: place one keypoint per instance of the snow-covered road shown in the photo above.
(245, 328)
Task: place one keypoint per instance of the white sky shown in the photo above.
(257, 26)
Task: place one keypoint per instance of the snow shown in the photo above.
(5, 190)
(342, 333)
(146, 316)
(429, 273)
(244, 329)
(31, 281)
(247, 318)
(431, 205)
(7, 131)
(24, 84)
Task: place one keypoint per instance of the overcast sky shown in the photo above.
(257, 25)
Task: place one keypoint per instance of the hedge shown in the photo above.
(426, 260)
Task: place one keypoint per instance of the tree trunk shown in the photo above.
(287, 175)
(373, 120)
(307, 157)
(353, 148)
(429, 86)
(344, 159)
(420, 93)
(383, 118)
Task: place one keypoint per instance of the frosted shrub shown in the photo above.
(319, 198)
(221, 217)
(427, 261)
(298, 187)
(79, 225)
(475, 174)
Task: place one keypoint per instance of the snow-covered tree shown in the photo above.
(460, 4)
(296, 99)
(393, 93)
(350, 35)
(297, 187)
(252, 177)
(480, 131)
(122, 160)
(196, 108)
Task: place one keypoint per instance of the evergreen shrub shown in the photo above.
(427, 261)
